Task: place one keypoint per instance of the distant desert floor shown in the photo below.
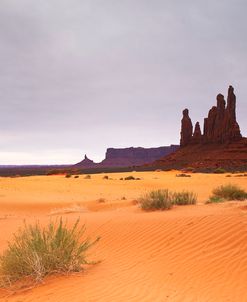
(186, 254)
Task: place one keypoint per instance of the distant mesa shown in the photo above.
(220, 145)
(127, 157)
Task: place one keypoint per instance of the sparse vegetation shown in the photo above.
(87, 177)
(106, 177)
(227, 192)
(76, 176)
(184, 198)
(68, 175)
(219, 171)
(37, 251)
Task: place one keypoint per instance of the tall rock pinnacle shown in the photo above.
(186, 129)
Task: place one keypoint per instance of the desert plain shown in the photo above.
(186, 254)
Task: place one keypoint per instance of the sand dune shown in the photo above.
(190, 253)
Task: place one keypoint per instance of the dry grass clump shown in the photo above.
(227, 192)
(156, 200)
(87, 177)
(37, 251)
(165, 199)
(184, 198)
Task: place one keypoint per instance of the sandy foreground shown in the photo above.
(187, 254)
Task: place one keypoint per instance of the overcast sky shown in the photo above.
(78, 76)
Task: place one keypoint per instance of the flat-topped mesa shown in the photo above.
(219, 127)
(186, 129)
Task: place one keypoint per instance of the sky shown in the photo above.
(79, 76)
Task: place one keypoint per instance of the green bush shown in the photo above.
(37, 251)
(229, 192)
(184, 198)
(156, 200)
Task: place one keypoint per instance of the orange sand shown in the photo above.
(187, 254)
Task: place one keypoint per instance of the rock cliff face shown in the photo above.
(126, 157)
(219, 127)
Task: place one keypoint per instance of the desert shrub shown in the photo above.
(219, 171)
(121, 178)
(214, 199)
(106, 177)
(229, 192)
(184, 198)
(129, 178)
(137, 178)
(101, 200)
(37, 251)
(183, 175)
(68, 175)
(76, 176)
(156, 200)
(87, 177)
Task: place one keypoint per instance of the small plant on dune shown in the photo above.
(184, 198)
(183, 175)
(87, 177)
(228, 192)
(37, 251)
(68, 175)
(106, 177)
(156, 200)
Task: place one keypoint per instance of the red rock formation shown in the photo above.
(221, 144)
(197, 135)
(186, 129)
(126, 157)
(86, 163)
(219, 127)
